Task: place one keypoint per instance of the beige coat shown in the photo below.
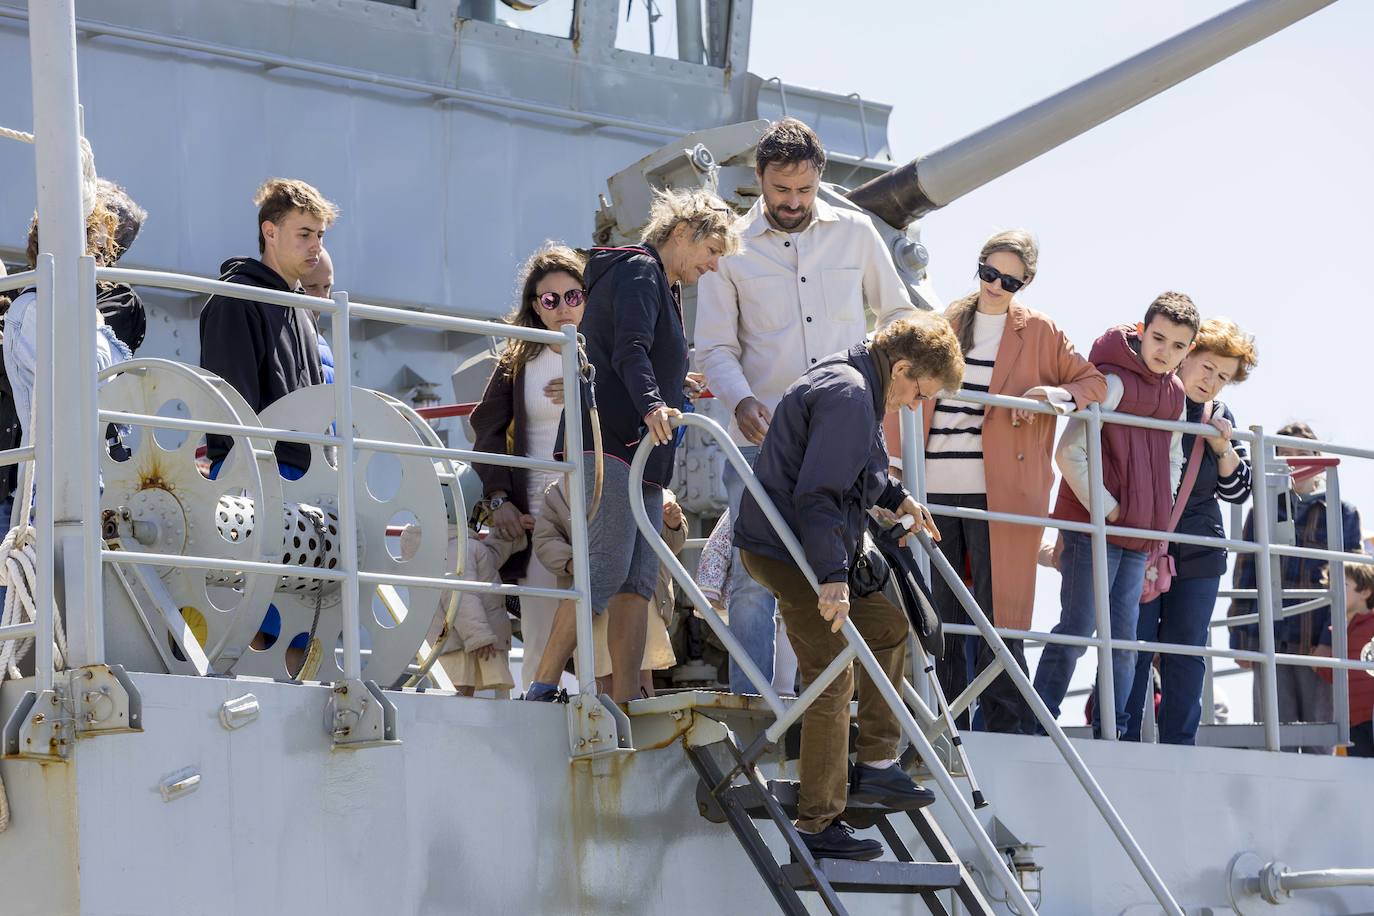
(1018, 459)
(480, 620)
(553, 548)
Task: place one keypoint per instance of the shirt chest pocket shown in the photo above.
(844, 293)
(767, 303)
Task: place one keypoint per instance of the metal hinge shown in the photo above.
(358, 715)
(83, 703)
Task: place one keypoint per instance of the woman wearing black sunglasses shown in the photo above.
(518, 415)
(997, 459)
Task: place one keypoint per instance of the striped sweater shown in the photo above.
(954, 450)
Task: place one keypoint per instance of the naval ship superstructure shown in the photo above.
(157, 762)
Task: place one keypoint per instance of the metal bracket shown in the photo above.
(596, 726)
(40, 728)
(83, 703)
(358, 715)
(105, 701)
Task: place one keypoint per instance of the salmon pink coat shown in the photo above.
(1018, 460)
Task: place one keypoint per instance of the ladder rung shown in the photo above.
(858, 814)
(877, 877)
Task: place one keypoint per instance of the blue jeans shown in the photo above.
(1181, 615)
(1125, 575)
(752, 607)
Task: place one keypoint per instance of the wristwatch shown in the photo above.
(495, 502)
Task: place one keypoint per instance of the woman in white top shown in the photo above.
(996, 459)
(518, 415)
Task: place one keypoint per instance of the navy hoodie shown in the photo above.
(265, 351)
(637, 345)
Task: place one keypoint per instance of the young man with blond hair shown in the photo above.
(267, 351)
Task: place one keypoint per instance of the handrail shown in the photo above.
(856, 646)
(347, 445)
(1267, 586)
(161, 279)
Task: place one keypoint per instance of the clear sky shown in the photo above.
(1248, 187)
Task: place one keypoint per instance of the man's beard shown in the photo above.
(794, 221)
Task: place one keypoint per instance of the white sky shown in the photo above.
(1248, 187)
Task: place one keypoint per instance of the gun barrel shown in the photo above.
(932, 181)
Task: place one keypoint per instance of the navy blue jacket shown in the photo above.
(1202, 515)
(636, 343)
(824, 465)
(1302, 630)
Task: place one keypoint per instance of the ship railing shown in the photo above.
(87, 615)
(1268, 473)
(903, 699)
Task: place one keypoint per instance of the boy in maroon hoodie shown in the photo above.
(1359, 620)
(1140, 472)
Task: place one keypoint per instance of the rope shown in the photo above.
(19, 574)
(88, 176)
(310, 667)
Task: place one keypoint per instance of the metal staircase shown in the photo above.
(733, 791)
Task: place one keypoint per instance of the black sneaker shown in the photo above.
(889, 787)
(837, 842)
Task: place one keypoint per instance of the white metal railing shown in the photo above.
(91, 614)
(1268, 591)
(896, 696)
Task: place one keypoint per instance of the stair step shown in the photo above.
(876, 877)
(856, 814)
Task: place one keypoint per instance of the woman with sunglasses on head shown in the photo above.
(998, 459)
(518, 415)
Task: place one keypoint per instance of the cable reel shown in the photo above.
(155, 499)
(389, 491)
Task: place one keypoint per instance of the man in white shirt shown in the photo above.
(794, 295)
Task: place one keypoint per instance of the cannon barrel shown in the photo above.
(932, 181)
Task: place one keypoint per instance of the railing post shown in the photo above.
(577, 504)
(1106, 689)
(914, 477)
(42, 440)
(75, 470)
(348, 516)
(1335, 540)
(1265, 576)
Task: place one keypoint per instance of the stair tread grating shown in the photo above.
(877, 877)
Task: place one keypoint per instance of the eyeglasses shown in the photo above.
(992, 275)
(573, 297)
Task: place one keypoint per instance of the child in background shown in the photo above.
(553, 547)
(1141, 469)
(476, 648)
(1359, 618)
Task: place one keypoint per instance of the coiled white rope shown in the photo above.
(88, 175)
(19, 575)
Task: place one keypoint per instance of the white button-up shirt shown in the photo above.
(788, 300)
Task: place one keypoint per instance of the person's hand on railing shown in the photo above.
(834, 604)
(659, 424)
(554, 391)
(1055, 397)
(921, 518)
(753, 419)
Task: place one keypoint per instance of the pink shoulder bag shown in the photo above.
(1159, 566)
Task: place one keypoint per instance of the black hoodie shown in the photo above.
(636, 343)
(265, 351)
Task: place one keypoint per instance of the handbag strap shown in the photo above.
(1185, 489)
